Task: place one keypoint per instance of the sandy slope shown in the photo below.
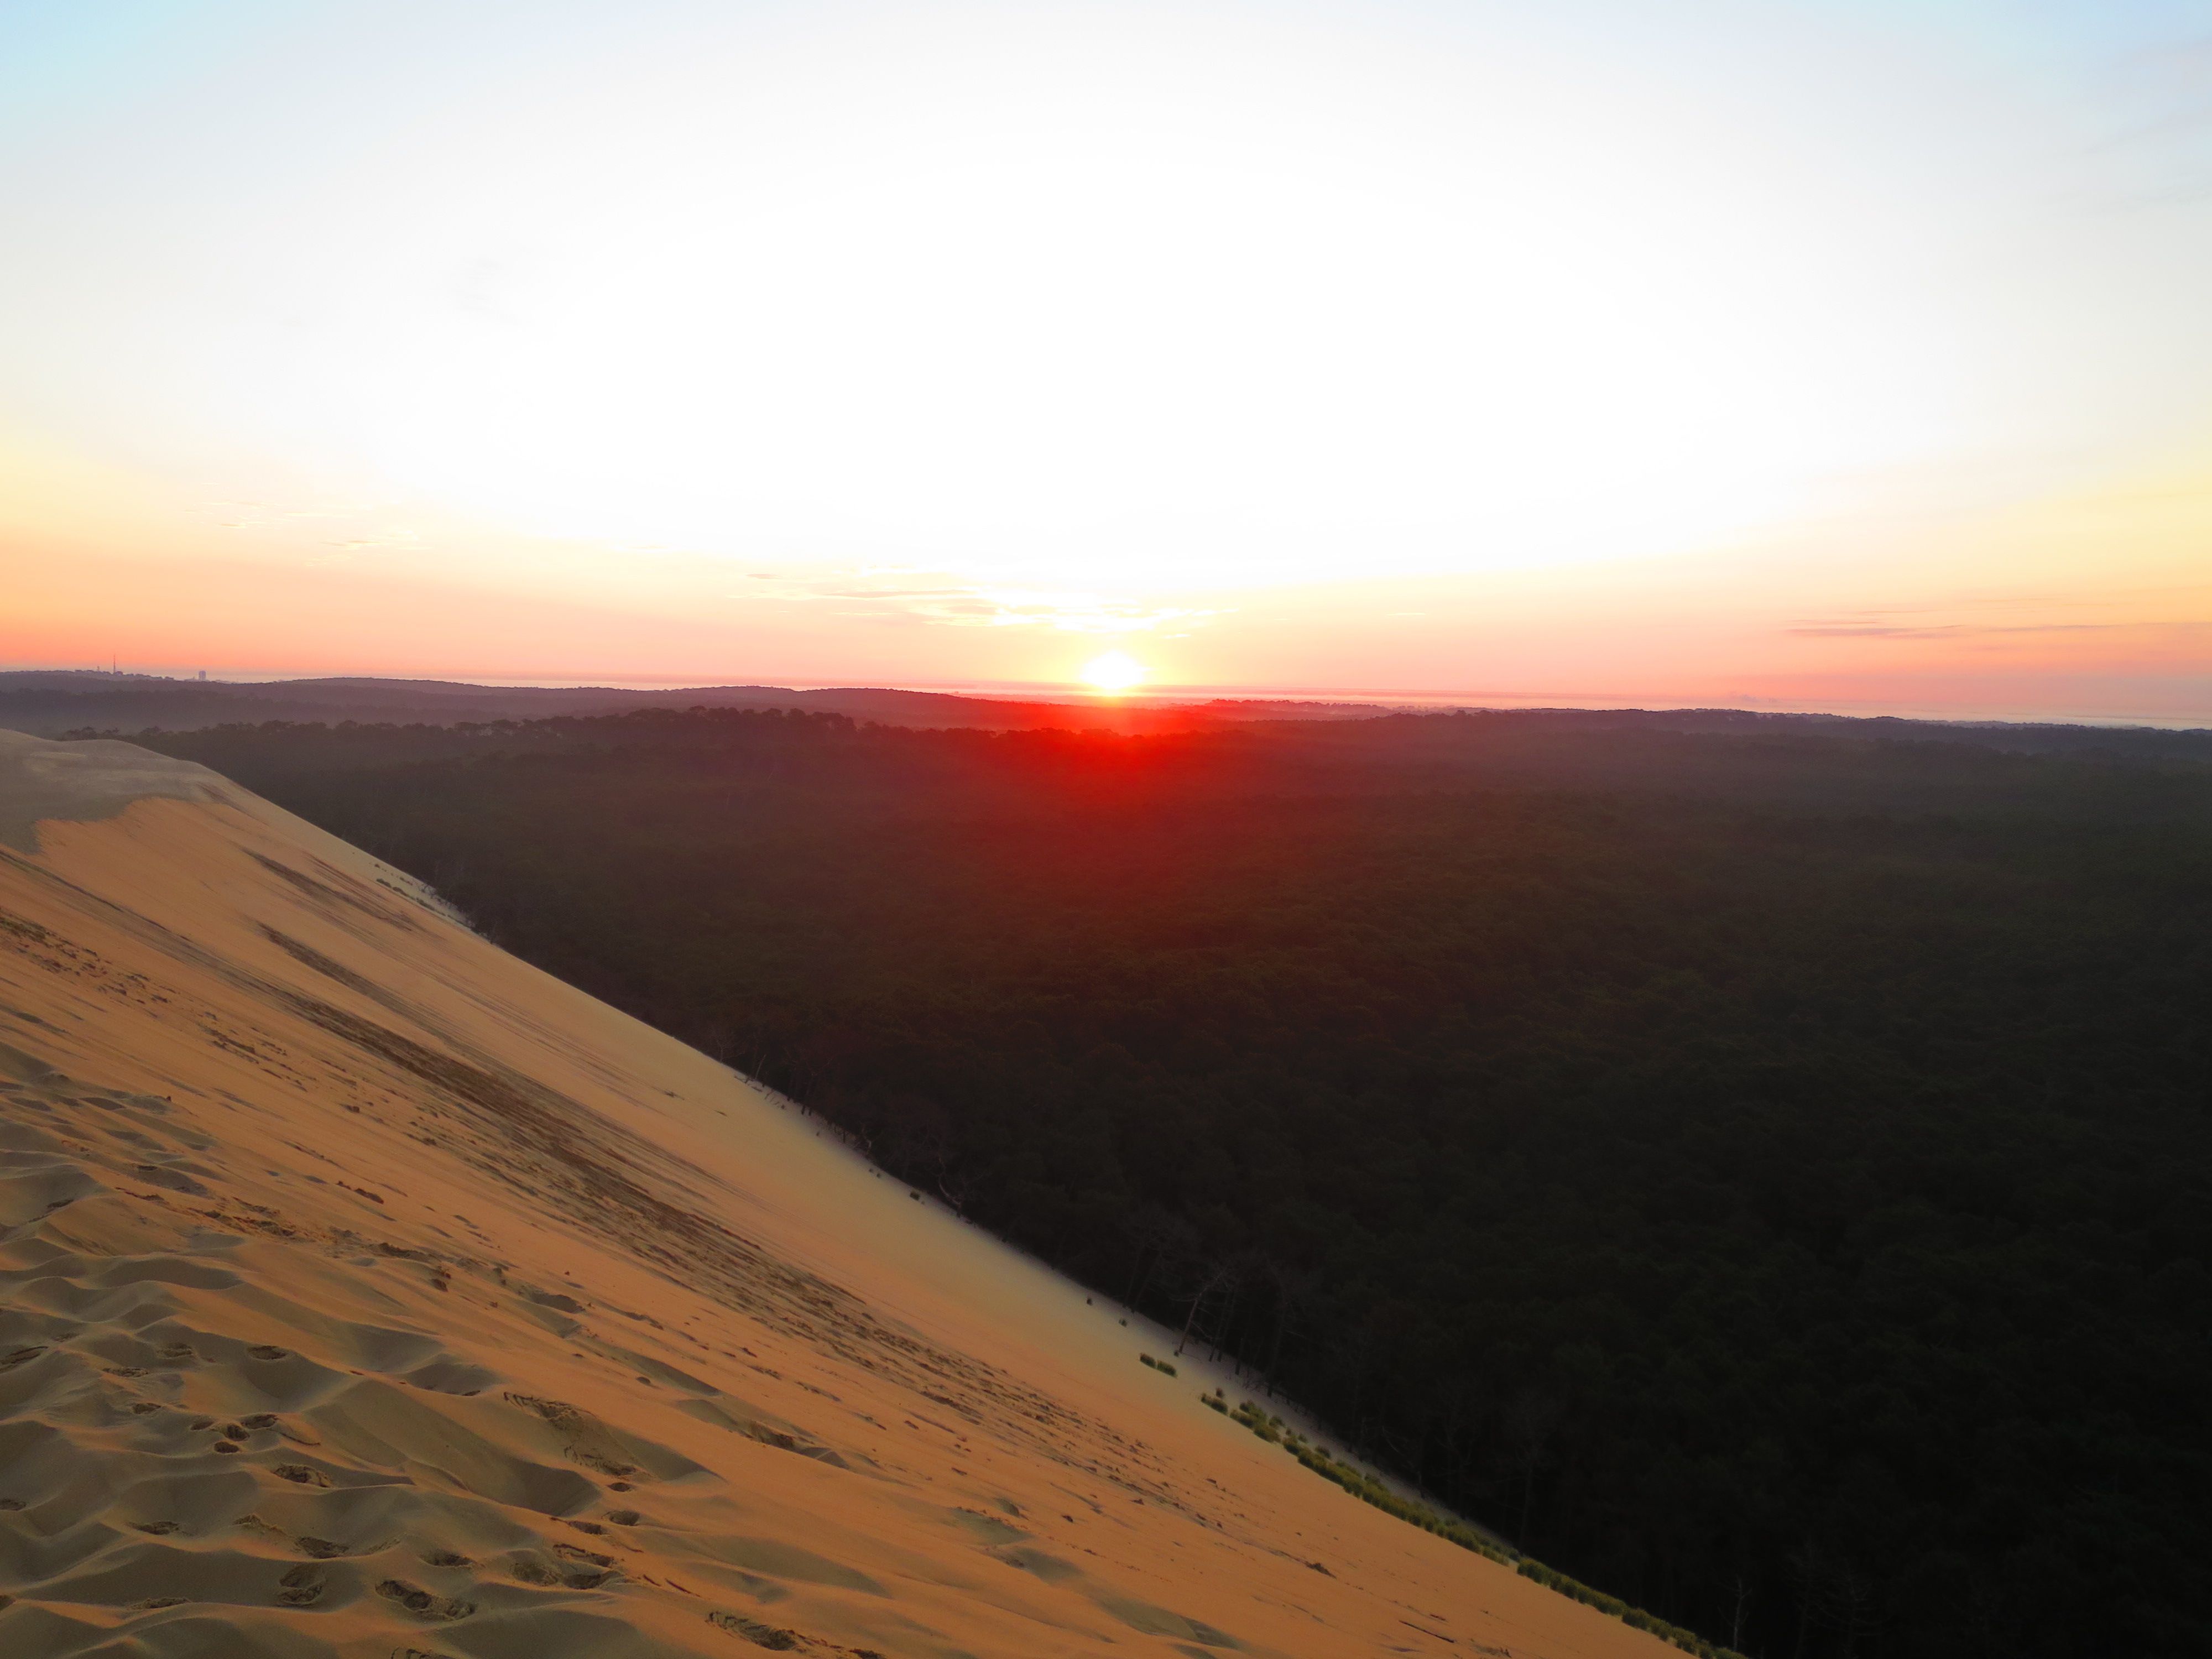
(365, 1291)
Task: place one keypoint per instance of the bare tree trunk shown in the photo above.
(1528, 1431)
(1228, 1320)
(1146, 1256)
(1222, 1274)
(1282, 1321)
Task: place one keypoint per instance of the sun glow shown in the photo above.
(1594, 352)
(1298, 310)
(1115, 672)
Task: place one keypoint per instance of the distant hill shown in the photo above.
(48, 703)
(52, 703)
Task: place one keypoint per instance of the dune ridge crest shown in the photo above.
(364, 1291)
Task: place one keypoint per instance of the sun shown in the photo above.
(1115, 672)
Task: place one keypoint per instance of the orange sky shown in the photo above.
(1839, 357)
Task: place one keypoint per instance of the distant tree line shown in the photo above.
(1767, 1174)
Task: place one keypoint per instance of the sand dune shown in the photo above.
(364, 1291)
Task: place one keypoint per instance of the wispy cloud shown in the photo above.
(1996, 613)
(255, 515)
(374, 524)
(2160, 151)
(1877, 630)
(958, 605)
(891, 592)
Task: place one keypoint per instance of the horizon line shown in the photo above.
(1181, 695)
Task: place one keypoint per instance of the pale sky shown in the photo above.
(1820, 355)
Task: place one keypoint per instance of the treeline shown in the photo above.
(1764, 1174)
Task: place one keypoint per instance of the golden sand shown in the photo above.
(366, 1292)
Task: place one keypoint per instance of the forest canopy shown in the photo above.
(1761, 1167)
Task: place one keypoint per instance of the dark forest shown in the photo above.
(1760, 1167)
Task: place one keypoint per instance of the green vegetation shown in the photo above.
(1370, 1490)
(1764, 1168)
(1157, 1365)
(1636, 1618)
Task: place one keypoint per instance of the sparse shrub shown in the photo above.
(1634, 1618)
(1259, 1421)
